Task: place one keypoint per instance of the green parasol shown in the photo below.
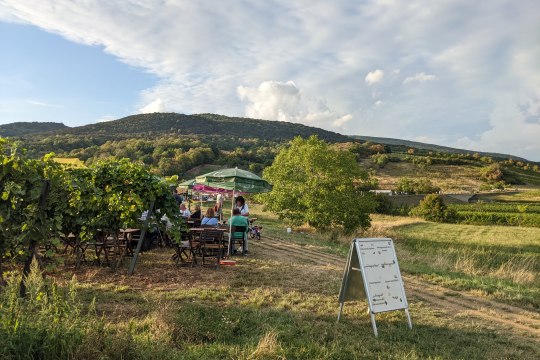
(235, 180)
(188, 184)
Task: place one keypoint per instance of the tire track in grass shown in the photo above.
(449, 300)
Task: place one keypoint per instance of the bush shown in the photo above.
(380, 160)
(416, 186)
(492, 172)
(433, 208)
(385, 206)
(498, 218)
(46, 324)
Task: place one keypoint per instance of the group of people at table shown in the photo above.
(211, 217)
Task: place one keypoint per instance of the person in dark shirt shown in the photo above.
(197, 213)
(177, 197)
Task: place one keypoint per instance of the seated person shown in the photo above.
(238, 220)
(242, 206)
(184, 212)
(197, 213)
(209, 218)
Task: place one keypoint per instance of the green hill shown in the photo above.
(398, 145)
(24, 128)
(187, 145)
(204, 125)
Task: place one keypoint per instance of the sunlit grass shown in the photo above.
(497, 261)
(275, 306)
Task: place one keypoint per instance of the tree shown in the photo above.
(319, 185)
(415, 186)
(492, 172)
(433, 208)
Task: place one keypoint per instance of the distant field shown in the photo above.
(69, 161)
(525, 195)
(454, 179)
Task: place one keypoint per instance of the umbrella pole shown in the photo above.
(230, 226)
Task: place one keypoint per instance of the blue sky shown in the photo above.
(45, 77)
(450, 72)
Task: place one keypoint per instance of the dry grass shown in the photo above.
(268, 348)
(450, 178)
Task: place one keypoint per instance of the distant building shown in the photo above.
(386, 192)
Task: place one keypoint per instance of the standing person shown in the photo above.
(238, 220)
(219, 205)
(177, 197)
(242, 206)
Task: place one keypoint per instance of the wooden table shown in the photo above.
(129, 238)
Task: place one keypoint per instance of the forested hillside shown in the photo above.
(203, 124)
(399, 145)
(23, 128)
(174, 144)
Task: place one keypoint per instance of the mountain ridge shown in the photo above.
(206, 124)
(433, 147)
(24, 128)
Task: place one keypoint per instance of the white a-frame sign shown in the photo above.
(372, 271)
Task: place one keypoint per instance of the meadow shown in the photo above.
(281, 301)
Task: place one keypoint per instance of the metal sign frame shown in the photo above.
(355, 284)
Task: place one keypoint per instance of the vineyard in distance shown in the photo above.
(466, 226)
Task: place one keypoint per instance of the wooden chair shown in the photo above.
(236, 238)
(211, 247)
(185, 250)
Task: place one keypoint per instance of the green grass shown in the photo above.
(497, 261)
(274, 307)
(503, 262)
(261, 309)
(528, 195)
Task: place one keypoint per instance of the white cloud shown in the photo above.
(218, 57)
(374, 77)
(44, 104)
(509, 132)
(419, 77)
(283, 101)
(155, 106)
(378, 103)
(106, 118)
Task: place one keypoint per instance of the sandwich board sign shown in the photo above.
(372, 271)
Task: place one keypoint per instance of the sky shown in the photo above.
(457, 73)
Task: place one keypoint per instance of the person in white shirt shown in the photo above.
(184, 212)
(242, 206)
(218, 208)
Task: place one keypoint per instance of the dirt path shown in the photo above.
(506, 316)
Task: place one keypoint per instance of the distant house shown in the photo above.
(386, 192)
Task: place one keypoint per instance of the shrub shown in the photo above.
(380, 160)
(416, 186)
(433, 208)
(492, 172)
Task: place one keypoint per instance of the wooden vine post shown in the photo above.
(45, 187)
